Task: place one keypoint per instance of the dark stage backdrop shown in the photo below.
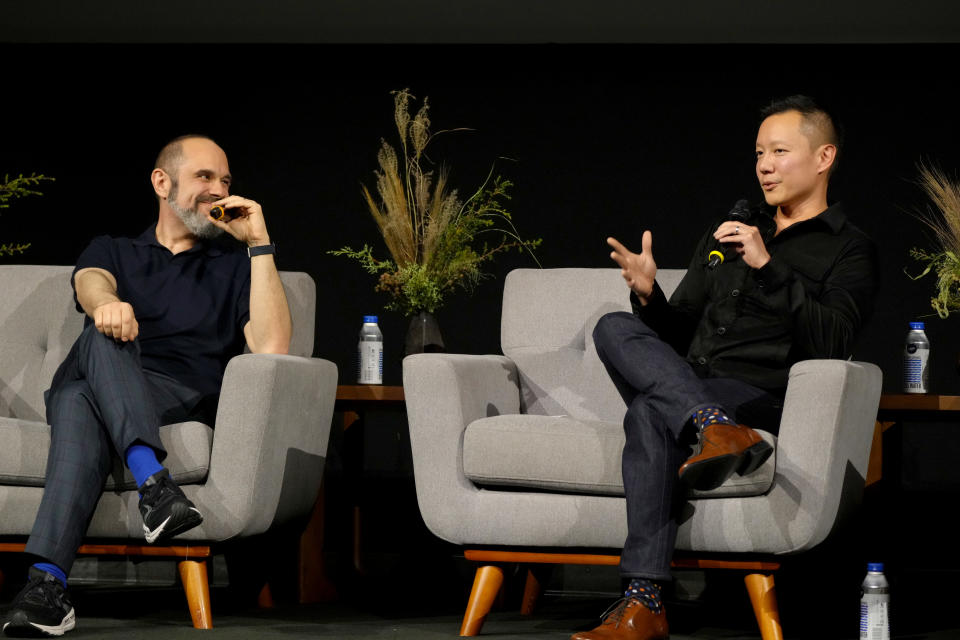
(601, 140)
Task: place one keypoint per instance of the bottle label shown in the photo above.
(874, 617)
(916, 371)
(371, 362)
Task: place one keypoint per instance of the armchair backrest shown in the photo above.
(39, 323)
(546, 328)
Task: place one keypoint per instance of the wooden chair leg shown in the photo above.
(486, 585)
(531, 592)
(763, 597)
(193, 573)
(265, 598)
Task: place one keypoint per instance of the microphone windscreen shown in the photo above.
(740, 211)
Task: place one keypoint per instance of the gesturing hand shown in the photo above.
(747, 242)
(116, 320)
(638, 269)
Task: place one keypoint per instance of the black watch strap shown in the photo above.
(262, 250)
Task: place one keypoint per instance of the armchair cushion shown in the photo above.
(23, 457)
(560, 453)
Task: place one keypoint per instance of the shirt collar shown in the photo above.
(149, 239)
(833, 216)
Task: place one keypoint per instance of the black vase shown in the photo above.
(423, 336)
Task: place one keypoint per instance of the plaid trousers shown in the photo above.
(100, 402)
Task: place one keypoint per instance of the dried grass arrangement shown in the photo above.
(944, 195)
(437, 241)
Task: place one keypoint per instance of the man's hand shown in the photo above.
(638, 269)
(747, 242)
(116, 320)
(248, 226)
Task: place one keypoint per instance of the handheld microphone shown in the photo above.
(739, 213)
(219, 213)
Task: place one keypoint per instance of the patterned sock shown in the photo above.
(710, 415)
(53, 570)
(648, 593)
(142, 462)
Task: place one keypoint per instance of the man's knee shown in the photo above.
(91, 337)
(613, 328)
(92, 343)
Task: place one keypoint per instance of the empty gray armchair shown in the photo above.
(517, 457)
(260, 467)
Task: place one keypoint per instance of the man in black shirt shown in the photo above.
(165, 312)
(716, 357)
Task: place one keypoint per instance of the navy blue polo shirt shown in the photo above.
(191, 307)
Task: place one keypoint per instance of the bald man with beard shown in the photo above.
(165, 312)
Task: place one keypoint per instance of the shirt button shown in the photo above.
(735, 293)
(701, 360)
(721, 331)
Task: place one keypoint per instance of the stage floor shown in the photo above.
(161, 614)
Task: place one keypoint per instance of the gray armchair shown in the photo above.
(517, 457)
(262, 466)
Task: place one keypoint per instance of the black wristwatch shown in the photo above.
(262, 250)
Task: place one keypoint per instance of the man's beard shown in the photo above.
(196, 223)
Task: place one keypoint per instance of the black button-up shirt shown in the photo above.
(191, 307)
(809, 301)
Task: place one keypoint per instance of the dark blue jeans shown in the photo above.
(662, 391)
(100, 402)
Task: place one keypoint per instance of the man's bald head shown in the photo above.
(171, 156)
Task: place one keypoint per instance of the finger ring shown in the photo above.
(736, 229)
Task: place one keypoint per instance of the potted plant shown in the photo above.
(944, 194)
(18, 187)
(437, 241)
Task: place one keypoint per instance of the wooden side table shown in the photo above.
(895, 407)
(352, 401)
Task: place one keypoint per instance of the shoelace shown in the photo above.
(154, 490)
(614, 613)
(43, 593)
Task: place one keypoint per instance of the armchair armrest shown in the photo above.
(270, 442)
(822, 454)
(824, 444)
(444, 393)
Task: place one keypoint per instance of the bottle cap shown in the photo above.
(369, 319)
(917, 326)
(876, 567)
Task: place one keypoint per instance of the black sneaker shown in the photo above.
(166, 511)
(42, 608)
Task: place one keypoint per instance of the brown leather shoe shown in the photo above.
(723, 449)
(629, 619)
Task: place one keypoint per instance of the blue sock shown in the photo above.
(142, 462)
(53, 570)
(707, 416)
(647, 592)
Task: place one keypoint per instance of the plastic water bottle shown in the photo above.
(875, 604)
(916, 360)
(370, 352)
